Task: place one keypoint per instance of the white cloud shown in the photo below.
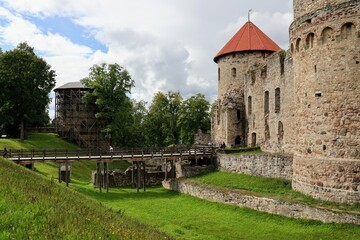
(165, 45)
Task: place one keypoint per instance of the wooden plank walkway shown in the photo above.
(138, 156)
(133, 154)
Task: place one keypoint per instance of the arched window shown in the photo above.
(347, 30)
(253, 139)
(310, 40)
(327, 35)
(233, 72)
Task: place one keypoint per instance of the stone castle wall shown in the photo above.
(271, 117)
(266, 165)
(230, 120)
(305, 101)
(326, 58)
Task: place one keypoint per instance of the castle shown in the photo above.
(304, 102)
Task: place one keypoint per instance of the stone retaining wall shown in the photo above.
(267, 165)
(241, 199)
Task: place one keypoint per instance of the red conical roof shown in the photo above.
(248, 38)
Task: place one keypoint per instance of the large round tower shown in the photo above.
(325, 45)
(248, 47)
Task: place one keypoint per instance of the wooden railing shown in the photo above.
(136, 154)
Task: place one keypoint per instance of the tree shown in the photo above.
(26, 81)
(193, 115)
(161, 121)
(110, 85)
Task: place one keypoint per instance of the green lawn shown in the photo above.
(186, 217)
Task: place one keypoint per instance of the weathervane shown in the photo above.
(249, 14)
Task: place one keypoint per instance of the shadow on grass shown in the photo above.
(124, 193)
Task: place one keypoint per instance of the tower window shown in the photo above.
(347, 30)
(219, 74)
(280, 131)
(298, 41)
(310, 40)
(233, 72)
(277, 100)
(266, 102)
(238, 115)
(249, 105)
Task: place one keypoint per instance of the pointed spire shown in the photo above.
(248, 38)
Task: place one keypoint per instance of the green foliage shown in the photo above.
(161, 122)
(171, 118)
(193, 115)
(110, 85)
(26, 81)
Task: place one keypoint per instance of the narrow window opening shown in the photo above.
(277, 100)
(310, 40)
(249, 105)
(253, 77)
(298, 41)
(219, 74)
(280, 131)
(282, 66)
(233, 72)
(253, 139)
(237, 141)
(315, 68)
(266, 103)
(318, 94)
(238, 115)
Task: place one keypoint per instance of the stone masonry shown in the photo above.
(304, 102)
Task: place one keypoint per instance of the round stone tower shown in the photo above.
(325, 45)
(248, 47)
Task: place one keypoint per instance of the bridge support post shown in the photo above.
(107, 176)
(138, 176)
(67, 173)
(172, 169)
(98, 175)
(132, 174)
(144, 175)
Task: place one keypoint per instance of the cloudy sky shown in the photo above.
(167, 45)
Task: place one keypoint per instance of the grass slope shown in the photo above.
(32, 207)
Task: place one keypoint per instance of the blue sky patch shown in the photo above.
(67, 28)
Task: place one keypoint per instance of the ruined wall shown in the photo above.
(325, 45)
(266, 165)
(230, 121)
(244, 199)
(269, 94)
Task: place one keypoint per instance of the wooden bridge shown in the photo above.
(138, 157)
